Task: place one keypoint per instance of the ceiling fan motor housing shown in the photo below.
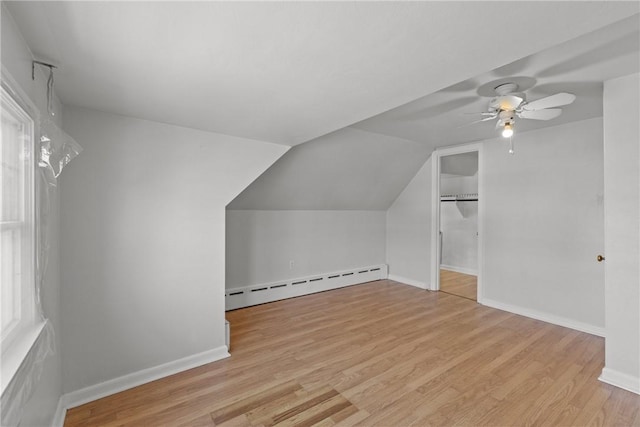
(505, 102)
(507, 98)
(506, 116)
(506, 89)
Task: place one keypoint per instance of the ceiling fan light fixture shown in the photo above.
(507, 132)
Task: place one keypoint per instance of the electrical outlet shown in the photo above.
(291, 265)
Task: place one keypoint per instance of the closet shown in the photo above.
(458, 236)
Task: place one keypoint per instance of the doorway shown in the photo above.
(456, 213)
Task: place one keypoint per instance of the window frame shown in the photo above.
(26, 222)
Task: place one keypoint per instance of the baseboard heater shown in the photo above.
(268, 292)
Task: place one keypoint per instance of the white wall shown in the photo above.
(459, 224)
(543, 224)
(409, 231)
(456, 184)
(261, 244)
(143, 222)
(16, 59)
(622, 247)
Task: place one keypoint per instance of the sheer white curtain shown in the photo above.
(34, 152)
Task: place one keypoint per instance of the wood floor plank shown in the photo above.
(381, 354)
(460, 284)
(317, 413)
(283, 414)
(251, 402)
(199, 421)
(352, 420)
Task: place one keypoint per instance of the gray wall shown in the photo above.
(622, 203)
(409, 231)
(459, 223)
(143, 222)
(261, 244)
(543, 224)
(321, 205)
(16, 58)
(459, 226)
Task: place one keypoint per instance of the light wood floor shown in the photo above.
(382, 354)
(462, 285)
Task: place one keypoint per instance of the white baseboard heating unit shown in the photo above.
(259, 294)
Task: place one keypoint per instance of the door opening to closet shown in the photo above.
(458, 233)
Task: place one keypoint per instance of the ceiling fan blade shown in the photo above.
(546, 114)
(487, 118)
(478, 121)
(557, 100)
(484, 113)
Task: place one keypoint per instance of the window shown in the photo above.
(17, 207)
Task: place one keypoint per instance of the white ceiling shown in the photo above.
(350, 169)
(367, 170)
(579, 66)
(287, 72)
(371, 88)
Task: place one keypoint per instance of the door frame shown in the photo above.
(435, 211)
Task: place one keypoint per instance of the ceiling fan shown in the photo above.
(509, 104)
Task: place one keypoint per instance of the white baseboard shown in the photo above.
(407, 281)
(463, 270)
(268, 292)
(619, 379)
(545, 317)
(125, 382)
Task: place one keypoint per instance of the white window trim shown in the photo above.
(20, 341)
(13, 357)
(26, 225)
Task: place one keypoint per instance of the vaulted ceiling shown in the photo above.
(578, 66)
(303, 180)
(348, 169)
(285, 72)
(401, 74)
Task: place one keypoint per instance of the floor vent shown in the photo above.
(267, 292)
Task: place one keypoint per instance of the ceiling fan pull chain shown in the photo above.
(511, 151)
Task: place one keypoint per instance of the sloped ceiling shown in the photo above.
(579, 66)
(346, 170)
(285, 72)
(359, 83)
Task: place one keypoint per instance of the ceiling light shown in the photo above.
(507, 132)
